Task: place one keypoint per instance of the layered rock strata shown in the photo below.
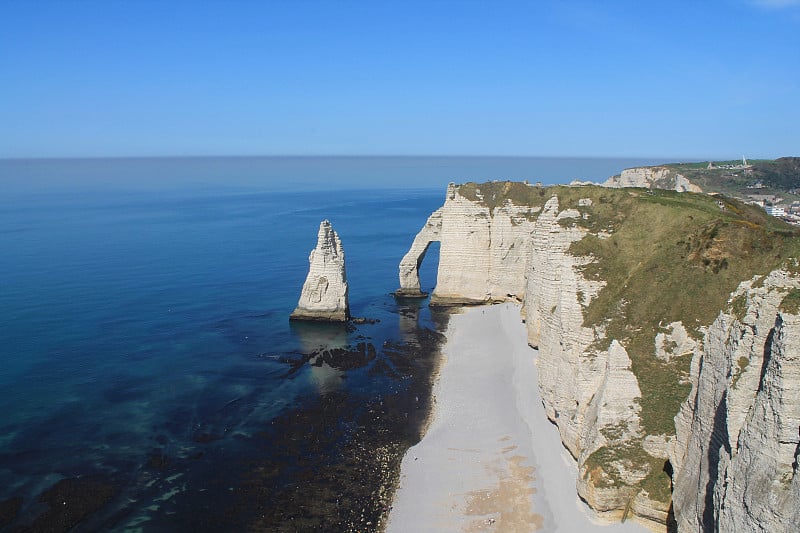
(738, 434)
(409, 265)
(516, 252)
(652, 177)
(590, 394)
(733, 452)
(325, 293)
(483, 251)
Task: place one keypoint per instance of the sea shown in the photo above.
(150, 379)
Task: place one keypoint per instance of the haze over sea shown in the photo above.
(145, 337)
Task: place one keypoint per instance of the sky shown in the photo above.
(678, 79)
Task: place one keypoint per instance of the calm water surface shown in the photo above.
(145, 309)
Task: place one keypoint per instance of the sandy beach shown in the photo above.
(490, 460)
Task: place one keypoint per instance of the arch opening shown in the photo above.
(428, 267)
(412, 261)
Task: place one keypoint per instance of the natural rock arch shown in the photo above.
(409, 265)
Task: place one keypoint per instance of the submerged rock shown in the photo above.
(325, 293)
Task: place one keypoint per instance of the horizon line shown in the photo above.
(374, 156)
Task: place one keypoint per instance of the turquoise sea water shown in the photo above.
(144, 311)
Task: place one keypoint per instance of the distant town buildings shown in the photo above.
(743, 166)
(764, 199)
(775, 211)
(773, 205)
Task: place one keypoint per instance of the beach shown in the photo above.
(490, 460)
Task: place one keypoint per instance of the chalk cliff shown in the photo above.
(409, 265)
(613, 371)
(652, 177)
(590, 393)
(483, 251)
(325, 294)
(738, 434)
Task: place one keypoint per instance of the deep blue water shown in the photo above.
(121, 310)
(142, 305)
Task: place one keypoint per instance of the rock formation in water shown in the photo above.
(482, 255)
(409, 265)
(652, 177)
(673, 416)
(325, 293)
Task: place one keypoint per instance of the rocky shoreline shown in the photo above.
(330, 461)
(344, 475)
(490, 460)
(665, 323)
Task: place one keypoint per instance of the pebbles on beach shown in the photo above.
(490, 460)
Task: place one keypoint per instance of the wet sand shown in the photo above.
(490, 460)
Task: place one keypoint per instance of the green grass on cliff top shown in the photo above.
(668, 257)
(671, 257)
(778, 177)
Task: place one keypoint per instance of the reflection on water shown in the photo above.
(314, 337)
(150, 351)
(326, 378)
(409, 311)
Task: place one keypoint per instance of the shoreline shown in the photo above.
(489, 459)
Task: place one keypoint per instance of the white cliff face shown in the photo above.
(554, 318)
(325, 293)
(655, 177)
(482, 256)
(674, 343)
(735, 455)
(612, 420)
(590, 394)
(409, 265)
(762, 487)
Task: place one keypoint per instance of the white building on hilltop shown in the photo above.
(775, 211)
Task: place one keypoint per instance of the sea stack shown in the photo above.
(324, 296)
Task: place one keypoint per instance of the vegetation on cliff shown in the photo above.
(774, 177)
(671, 257)
(664, 257)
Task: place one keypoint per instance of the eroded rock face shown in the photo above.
(325, 294)
(512, 252)
(612, 420)
(652, 177)
(482, 256)
(735, 454)
(589, 394)
(409, 265)
(763, 486)
(554, 319)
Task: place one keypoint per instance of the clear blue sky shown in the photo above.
(688, 79)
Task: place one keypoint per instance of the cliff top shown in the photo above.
(732, 178)
(664, 257)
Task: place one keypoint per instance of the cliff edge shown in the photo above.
(626, 293)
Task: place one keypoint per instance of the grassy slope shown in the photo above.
(670, 257)
(778, 176)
